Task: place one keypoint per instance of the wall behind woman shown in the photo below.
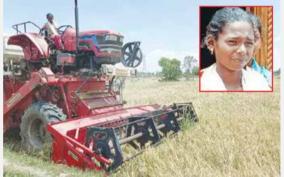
(264, 56)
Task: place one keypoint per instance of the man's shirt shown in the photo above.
(51, 28)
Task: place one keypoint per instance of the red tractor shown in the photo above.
(63, 91)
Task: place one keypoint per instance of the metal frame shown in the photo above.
(93, 142)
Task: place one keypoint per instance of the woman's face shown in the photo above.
(234, 46)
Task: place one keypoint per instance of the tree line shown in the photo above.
(172, 69)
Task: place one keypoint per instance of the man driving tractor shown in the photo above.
(50, 26)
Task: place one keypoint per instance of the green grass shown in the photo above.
(238, 134)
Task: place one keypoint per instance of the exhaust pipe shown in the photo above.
(77, 26)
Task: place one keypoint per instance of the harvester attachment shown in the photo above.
(105, 141)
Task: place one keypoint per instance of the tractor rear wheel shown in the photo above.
(33, 126)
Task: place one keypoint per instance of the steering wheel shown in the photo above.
(62, 28)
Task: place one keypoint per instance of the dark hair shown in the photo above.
(256, 22)
(49, 15)
(224, 16)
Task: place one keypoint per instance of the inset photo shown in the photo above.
(236, 49)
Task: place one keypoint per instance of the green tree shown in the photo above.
(195, 70)
(170, 68)
(189, 64)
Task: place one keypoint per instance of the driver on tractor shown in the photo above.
(51, 33)
(50, 26)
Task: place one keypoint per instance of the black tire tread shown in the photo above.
(47, 113)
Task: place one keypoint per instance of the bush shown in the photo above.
(170, 68)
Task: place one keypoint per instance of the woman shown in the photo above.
(231, 40)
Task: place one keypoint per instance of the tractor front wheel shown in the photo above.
(33, 125)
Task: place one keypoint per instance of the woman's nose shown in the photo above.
(242, 49)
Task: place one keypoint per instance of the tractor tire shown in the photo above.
(33, 125)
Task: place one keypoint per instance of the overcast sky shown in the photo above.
(165, 27)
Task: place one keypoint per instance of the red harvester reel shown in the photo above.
(99, 142)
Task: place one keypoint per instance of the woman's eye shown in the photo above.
(249, 43)
(232, 42)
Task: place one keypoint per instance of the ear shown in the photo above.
(210, 42)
